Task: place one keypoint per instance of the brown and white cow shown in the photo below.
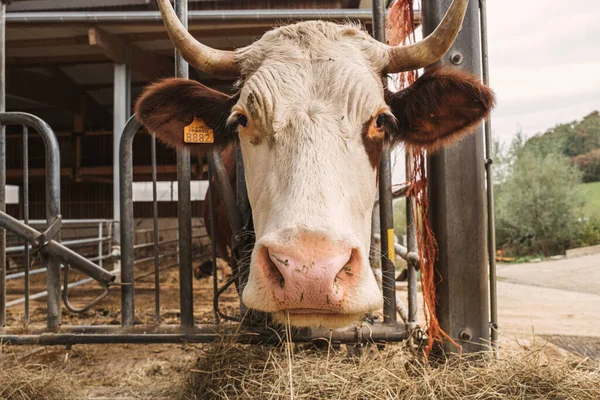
(312, 116)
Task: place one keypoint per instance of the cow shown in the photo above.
(312, 115)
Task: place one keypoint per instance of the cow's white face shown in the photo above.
(312, 117)
(311, 171)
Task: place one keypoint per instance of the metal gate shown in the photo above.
(237, 206)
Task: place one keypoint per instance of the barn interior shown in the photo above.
(81, 72)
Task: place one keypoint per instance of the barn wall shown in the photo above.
(89, 194)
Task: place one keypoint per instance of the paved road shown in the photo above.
(554, 297)
(580, 274)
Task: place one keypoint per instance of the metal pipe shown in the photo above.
(2, 162)
(244, 239)
(155, 229)
(411, 247)
(52, 201)
(71, 222)
(121, 104)
(72, 243)
(17, 275)
(399, 192)
(213, 246)
(100, 244)
(144, 245)
(386, 216)
(26, 255)
(491, 221)
(215, 162)
(42, 270)
(455, 179)
(186, 290)
(200, 334)
(126, 234)
(217, 16)
(165, 229)
(57, 251)
(41, 295)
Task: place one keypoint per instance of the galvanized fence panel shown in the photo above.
(238, 213)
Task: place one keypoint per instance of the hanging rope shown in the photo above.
(400, 30)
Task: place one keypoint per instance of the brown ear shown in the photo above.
(168, 106)
(441, 107)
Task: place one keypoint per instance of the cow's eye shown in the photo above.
(242, 120)
(381, 120)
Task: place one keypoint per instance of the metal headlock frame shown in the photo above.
(239, 217)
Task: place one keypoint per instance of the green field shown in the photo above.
(591, 191)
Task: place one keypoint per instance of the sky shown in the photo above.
(544, 63)
(544, 58)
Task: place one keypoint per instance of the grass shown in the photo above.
(591, 193)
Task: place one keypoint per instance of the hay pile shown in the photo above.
(34, 382)
(228, 371)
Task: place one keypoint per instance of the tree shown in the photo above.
(579, 140)
(537, 203)
(589, 164)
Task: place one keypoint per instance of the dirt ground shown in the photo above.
(534, 301)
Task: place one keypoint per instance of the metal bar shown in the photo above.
(399, 192)
(457, 207)
(215, 162)
(79, 242)
(155, 229)
(41, 295)
(72, 243)
(57, 251)
(100, 244)
(71, 222)
(491, 221)
(194, 16)
(42, 270)
(52, 201)
(200, 334)
(2, 162)
(33, 5)
(121, 83)
(163, 255)
(144, 245)
(26, 255)
(126, 217)
(400, 250)
(386, 215)
(166, 229)
(244, 244)
(213, 246)
(411, 247)
(373, 256)
(186, 290)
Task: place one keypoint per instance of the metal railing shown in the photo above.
(236, 204)
(238, 213)
(96, 253)
(54, 254)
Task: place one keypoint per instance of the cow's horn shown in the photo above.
(204, 58)
(433, 47)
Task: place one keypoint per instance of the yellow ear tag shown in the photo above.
(198, 132)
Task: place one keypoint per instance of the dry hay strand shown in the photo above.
(34, 382)
(231, 371)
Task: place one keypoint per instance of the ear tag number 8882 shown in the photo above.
(198, 132)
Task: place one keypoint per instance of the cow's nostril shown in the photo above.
(274, 271)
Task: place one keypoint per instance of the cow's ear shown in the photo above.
(169, 106)
(441, 107)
